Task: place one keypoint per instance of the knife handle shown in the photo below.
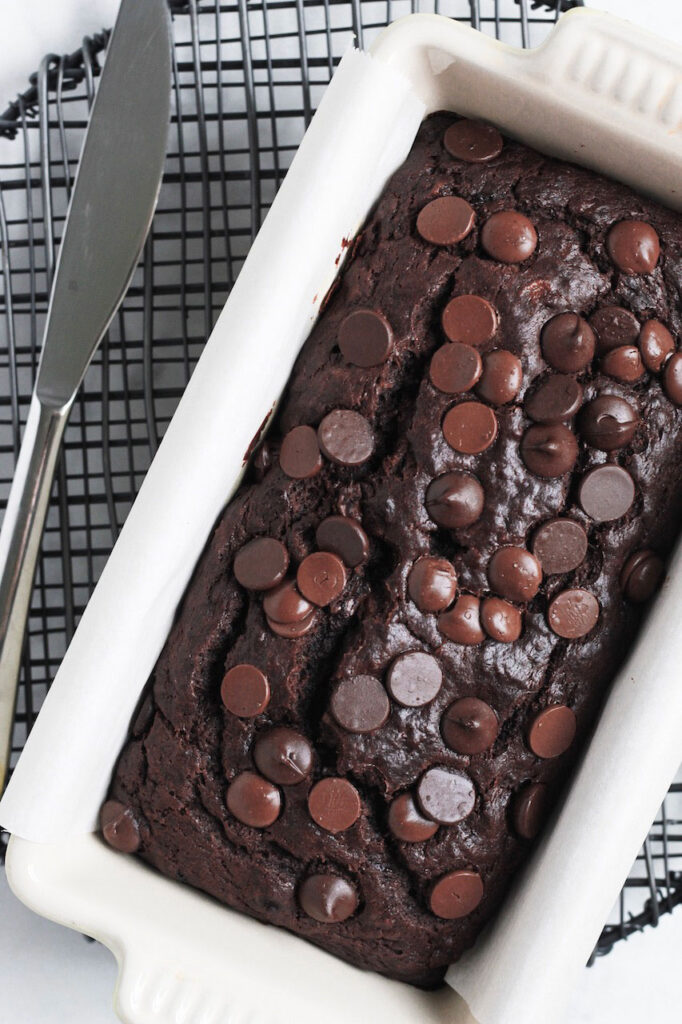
(20, 538)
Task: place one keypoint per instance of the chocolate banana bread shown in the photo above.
(404, 623)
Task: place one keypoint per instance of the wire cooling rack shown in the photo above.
(247, 77)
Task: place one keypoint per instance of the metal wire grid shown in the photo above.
(246, 81)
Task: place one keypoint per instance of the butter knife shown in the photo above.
(114, 195)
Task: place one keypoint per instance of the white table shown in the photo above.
(49, 975)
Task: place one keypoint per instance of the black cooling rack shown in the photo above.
(247, 77)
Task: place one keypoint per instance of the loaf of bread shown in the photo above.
(403, 626)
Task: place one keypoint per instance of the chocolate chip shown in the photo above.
(346, 437)
(623, 364)
(432, 584)
(549, 450)
(509, 237)
(469, 319)
(283, 756)
(245, 691)
(469, 726)
(634, 246)
(514, 573)
(560, 545)
(253, 800)
(473, 141)
(334, 804)
(445, 796)
(529, 809)
(285, 604)
(293, 630)
(455, 499)
(360, 704)
(606, 493)
(344, 537)
(656, 345)
(365, 338)
(321, 577)
(608, 423)
(641, 575)
(119, 827)
(556, 400)
(299, 456)
(406, 823)
(462, 624)
(614, 326)
(455, 368)
(261, 563)
(470, 427)
(456, 894)
(552, 731)
(573, 613)
(501, 378)
(501, 620)
(445, 221)
(328, 899)
(568, 343)
(672, 378)
(414, 679)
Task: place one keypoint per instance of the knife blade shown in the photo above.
(114, 196)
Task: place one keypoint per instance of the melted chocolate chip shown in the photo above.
(634, 246)
(557, 399)
(470, 427)
(623, 364)
(432, 584)
(656, 345)
(344, 537)
(672, 378)
(414, 679)
(641, 576)
(455, 368)
(573, 613)
(514, 573)
(245, 691)
(456, 894)
(446, 220)
(560, 545)
(293, 630)
(406, 823)
(501, 620)
(346, 437)
(119, 827)
(470, 320)
(614, 326)
(552, 731)
(261, 564)
(509, 237)
(283, 756)
(501, 379)
(568, 343)
(455, 500)
(321, 577)
(365, 338)
(549, 450)
(469, 726)
(445, 796)
(608, 423)
(253, 800)
(529, 809)
(360, 704)
(299, 456)
(328, 899)
(462, 624)
(473, 141)
(334, 804)
(285, 604)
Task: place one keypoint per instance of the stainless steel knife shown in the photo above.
(115, 192)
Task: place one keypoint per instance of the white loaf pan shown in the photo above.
(599, 92)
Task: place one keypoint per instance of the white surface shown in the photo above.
(627, 986)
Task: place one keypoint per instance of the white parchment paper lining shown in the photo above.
(526, 963)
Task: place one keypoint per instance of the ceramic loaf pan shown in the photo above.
(598, 92)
